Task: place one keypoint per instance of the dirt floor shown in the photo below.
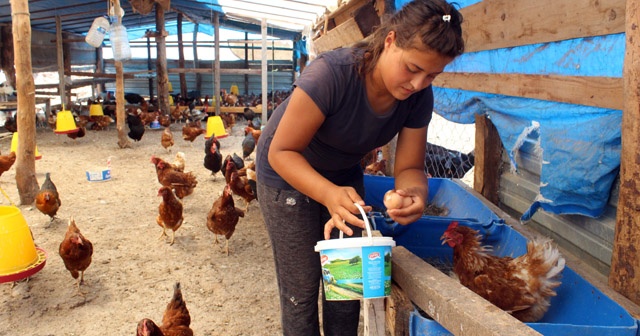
(133, 273)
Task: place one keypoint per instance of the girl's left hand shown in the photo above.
(411, 213)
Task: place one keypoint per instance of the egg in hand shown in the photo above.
(393, 200)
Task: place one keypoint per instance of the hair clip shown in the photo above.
(446, 18)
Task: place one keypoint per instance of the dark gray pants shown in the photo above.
(295, 224)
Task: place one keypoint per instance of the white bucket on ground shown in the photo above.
(356, 268)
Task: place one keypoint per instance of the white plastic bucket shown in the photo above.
(356, 268)
(97, 32)
(119, 42)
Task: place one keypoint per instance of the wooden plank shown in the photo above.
(237, 109)
(454, 306)
(508, 23)
(374, 312)
(399, 308)
(488, 156)
(625, 263)
(343, 35)
(606, 92)
(96, 74)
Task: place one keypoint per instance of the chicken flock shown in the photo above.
(525, 297)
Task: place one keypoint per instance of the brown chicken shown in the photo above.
(241, 187)
(169, 213)
(190, 133)
(255, 133)
(76, 251)
(79, 134)
(376, 168)
(167, 139)
(224, 216)
(521, 286)
(179, 162)
(175, 321)
(182, 183)
(6, 161)
(48, 199)
(164, 120)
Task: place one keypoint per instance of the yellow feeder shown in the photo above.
(234, 90)
(171, 100)
(95, 110)
(170, 87)
(65, 123)
(19, 258)
(215, 126)
(14, 146)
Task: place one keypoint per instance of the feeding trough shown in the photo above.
(65, 123)
(215, 126)
(19, 257)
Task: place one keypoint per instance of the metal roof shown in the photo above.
(285, 18)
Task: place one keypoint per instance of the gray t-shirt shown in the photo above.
(351, 128)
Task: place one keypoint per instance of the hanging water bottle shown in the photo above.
(97, 32)
(119, 42)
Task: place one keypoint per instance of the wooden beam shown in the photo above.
(26, 181)
(399, 308)
(625, 261)
(343, 35)
(162, 76)
(488, 158)
(454, 306)
(183, 78)
(603, 92)
(508, 23)
(60, 57)
(97, 75)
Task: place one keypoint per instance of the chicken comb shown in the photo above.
(453, 225)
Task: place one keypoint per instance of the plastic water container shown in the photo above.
(119, 42)
(97, 32)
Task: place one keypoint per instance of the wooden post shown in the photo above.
(625, 262)
(26, 161)
(246, 64)
(183, 78)
(150, 66)
(216, 72)
(196, 65)
(265, 82)
(488, 154)
(99, 87)
(123, 141)
(7, 57)
(60, 55)
(161, 61)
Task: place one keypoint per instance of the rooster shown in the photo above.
(521, 286)
(212, 155)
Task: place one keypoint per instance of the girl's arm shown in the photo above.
(300, 122)
(410, 178)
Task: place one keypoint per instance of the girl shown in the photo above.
(346, 103)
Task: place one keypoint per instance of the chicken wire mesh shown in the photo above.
(450, 149)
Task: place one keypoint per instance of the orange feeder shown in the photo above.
(65, 123)
(215, 126)
(19, 257)
(14, 146)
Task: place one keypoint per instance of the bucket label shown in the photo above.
(355, 273)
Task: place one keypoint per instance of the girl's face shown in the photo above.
(406, 71)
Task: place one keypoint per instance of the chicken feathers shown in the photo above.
(48, 199)
(76, 252)
(521, 286)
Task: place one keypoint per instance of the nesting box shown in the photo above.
(579, 308)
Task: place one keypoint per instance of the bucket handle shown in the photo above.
(366, 223)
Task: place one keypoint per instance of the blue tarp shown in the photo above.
(579, 145)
